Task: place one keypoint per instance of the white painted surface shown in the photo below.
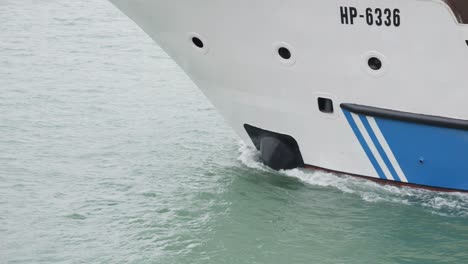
(425, 64)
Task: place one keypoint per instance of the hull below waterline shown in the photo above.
(386, 182)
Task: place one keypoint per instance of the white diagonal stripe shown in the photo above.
(387, 149)
(372, 147)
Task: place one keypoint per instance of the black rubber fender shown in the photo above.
(277, 151)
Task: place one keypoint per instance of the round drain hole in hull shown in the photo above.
(374, 63)
(197, 42)
(284, 53)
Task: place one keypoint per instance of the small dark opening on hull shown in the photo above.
(325, 105)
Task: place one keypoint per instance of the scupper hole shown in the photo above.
(284, 53)
(197, 42)
(374, 63)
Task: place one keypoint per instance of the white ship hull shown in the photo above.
(394, 72)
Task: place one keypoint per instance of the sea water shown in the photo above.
(109, 154)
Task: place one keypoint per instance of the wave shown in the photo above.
(440, 203)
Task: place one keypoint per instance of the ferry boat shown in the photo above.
(371, 88)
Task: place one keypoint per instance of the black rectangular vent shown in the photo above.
(325, 105)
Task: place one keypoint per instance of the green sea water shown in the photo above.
(109, 154)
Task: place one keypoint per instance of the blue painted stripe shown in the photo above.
(364, 144)
(379, 147)
(429, 155)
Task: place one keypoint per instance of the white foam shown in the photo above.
(440, 203)
(250, 157)
(319, 178)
